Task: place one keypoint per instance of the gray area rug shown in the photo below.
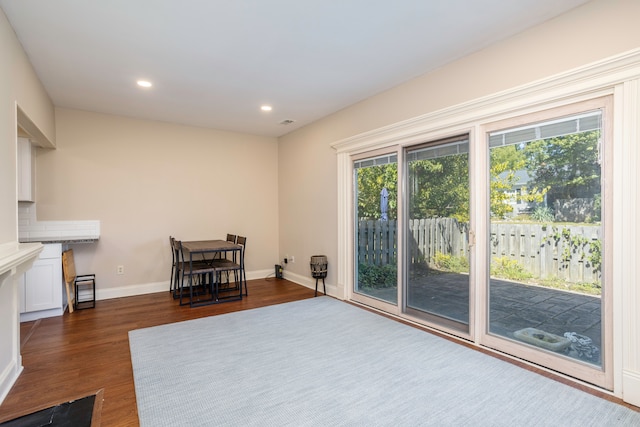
(323, 362)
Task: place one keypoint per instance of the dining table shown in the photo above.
(199, 250)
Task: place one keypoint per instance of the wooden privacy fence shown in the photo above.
(567, 252)
(377, 242)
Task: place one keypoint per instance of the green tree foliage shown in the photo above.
(510, 156)
(561, 168)
(568, 166)
(505, 161)
(371, 180)
(440, 188)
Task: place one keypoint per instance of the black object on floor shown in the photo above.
(77, 413)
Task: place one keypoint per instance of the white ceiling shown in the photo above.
(213, 63)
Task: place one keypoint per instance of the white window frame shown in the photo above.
(362, 298)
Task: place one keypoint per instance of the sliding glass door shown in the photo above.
(376, 230)
(538, 288)
(437, 232)
(547, 290)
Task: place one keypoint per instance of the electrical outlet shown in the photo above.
(292, 259)
(120, 269)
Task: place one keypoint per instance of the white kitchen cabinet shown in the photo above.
(26, 171)
(42, 292)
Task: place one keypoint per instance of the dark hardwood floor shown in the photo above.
(78, 354)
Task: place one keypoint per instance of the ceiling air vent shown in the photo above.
(286, 122)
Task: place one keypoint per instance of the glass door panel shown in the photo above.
(546, 238)
(376, 228)
(437, 232)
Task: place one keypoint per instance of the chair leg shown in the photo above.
(178, 281)
(191, 290)
(175, 276)
(243, 278)
(182, 290)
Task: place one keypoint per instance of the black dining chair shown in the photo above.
(234, 265)
(199, 276)
(173, 282)
(176, 267)
(242, 241)
(231, 238)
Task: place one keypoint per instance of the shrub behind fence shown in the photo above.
(566, 252)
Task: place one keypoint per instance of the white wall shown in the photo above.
(146, 180)
(18, 86)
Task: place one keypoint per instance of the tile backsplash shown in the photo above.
(30, 229)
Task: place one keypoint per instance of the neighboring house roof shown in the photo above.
(522, 178)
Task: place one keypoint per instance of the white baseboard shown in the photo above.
(631, 387)
(260, 274)
(132, 290)
(35, 315)
(150, 288)
(310, 283)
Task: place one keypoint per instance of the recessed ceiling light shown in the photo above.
(266, 108)
(144, 83)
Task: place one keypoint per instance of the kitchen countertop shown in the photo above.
(60, 239)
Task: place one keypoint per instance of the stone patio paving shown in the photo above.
(514, 306)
